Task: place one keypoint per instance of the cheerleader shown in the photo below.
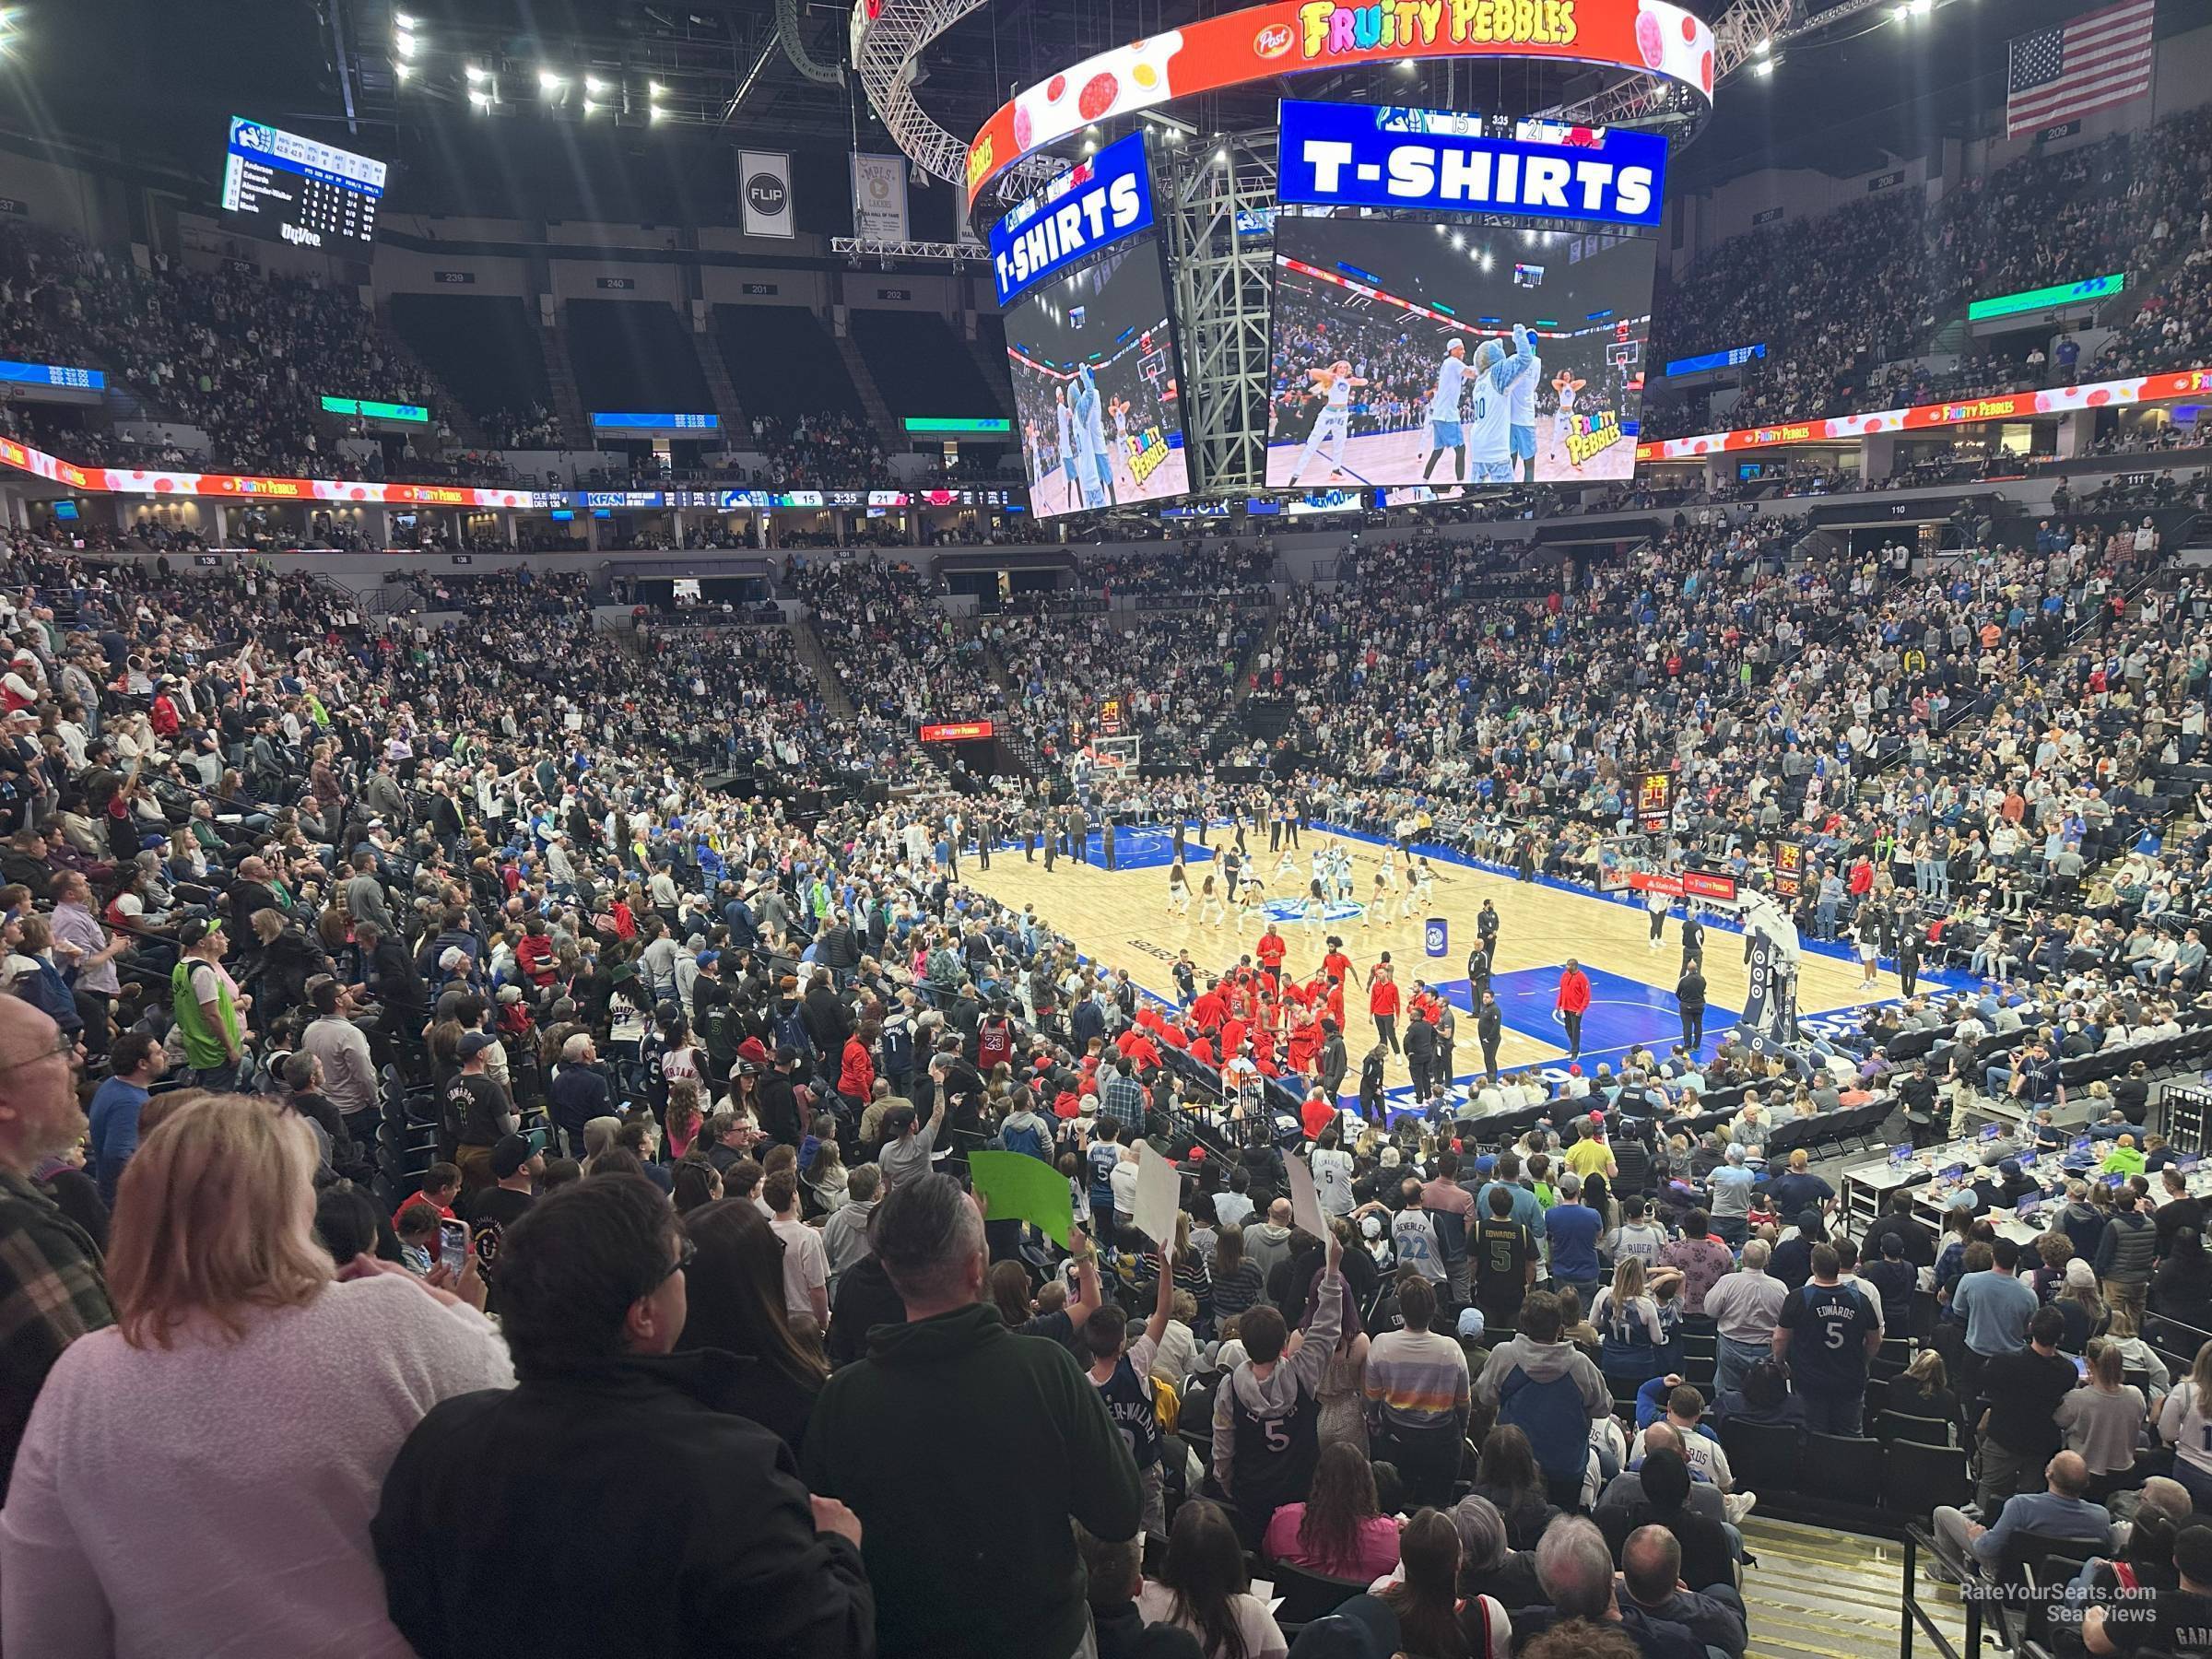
(1178, 890)
(1286, 868)
(1316, 909)
(1344, 874)
(1424, 885)
(1210, 905)
(1250, 895)
(1377, 908)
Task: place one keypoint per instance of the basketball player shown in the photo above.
(1071, 450)
(1178, 890)
(1444, 429)
(1524, 417)
(1333, 425)
(1566, 386)
(1489, 434)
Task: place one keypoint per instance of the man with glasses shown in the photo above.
(610, 1434)
(52, 1289)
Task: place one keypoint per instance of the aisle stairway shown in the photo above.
(808, 644)
(1817, 1594)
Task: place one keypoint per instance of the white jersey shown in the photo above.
(1490, 433)
(1068, 447)
(1340, 394)
(1525, 394)
(1451, 385)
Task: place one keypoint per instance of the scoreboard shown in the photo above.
(300, 190)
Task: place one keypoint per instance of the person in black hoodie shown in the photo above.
(778, 1102)
(607, 1427)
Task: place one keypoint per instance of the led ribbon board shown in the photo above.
(1092, 207)
(1650, 38)
(2043, 298)
(1360, 156)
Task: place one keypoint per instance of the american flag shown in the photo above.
(2100, 59)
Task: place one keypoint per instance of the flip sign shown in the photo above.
(1087, 208)
(1360, 156)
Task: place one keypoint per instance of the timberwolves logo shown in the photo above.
(1294, 910)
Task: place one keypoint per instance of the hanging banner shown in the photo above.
(764, 180)
(879, 198)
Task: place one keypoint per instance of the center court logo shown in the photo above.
(1294, 910)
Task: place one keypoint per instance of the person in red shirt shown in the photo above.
(1316, 1114)
(1178, 1035)
(1304, 1046)
(1382, 1003)
(1336, 1003)
(1233, 1033)
(1210, 1009)
(1573, 1004)
(1338, 966)
(440, 1187)
(1202, 1050)
(1271, 950)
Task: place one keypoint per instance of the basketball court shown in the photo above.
(1120, 918)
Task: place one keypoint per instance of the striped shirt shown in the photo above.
(1419, 1378)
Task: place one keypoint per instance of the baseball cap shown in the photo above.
(192, 933)
(471, 1043)
(898, 1121)
(512, 1153)
(511, 993)
(707, 958)
(1470, 1323)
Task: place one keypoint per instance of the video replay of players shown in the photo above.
(1096, 398)
(1413, 351)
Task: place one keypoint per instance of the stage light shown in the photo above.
(399, 71)
(590, 109)
(400, 20)
(1762, 49)
(1221, 155)
(1486, 261)
(593, 85)
(481, 98)
(1440, 230)
(476, 72)
(654, 89)
(1901, 13)
(1920, 8)
(406, 43)
(1458, 241)
(657, 114)
(550, 82)
(1764, 68)
(1406, 65)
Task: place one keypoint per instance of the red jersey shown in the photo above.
(1336, 965)
(1316, 1115)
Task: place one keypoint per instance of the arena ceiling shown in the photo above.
(154, 80)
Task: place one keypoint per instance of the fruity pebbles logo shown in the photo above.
(1593, 435)
(1329, 29)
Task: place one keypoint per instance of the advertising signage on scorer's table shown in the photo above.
(1650, 37)
(1365, 156)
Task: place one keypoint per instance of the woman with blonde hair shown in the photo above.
(199, 1478)
(2104, 1420)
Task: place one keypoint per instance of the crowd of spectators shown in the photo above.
(1846, 303)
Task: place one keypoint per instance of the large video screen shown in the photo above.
(301, 190)
(1096, 395)
(1422, 352)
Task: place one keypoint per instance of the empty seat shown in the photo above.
(634, 354)
(782, 362)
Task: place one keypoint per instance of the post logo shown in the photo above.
(1273, 41)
